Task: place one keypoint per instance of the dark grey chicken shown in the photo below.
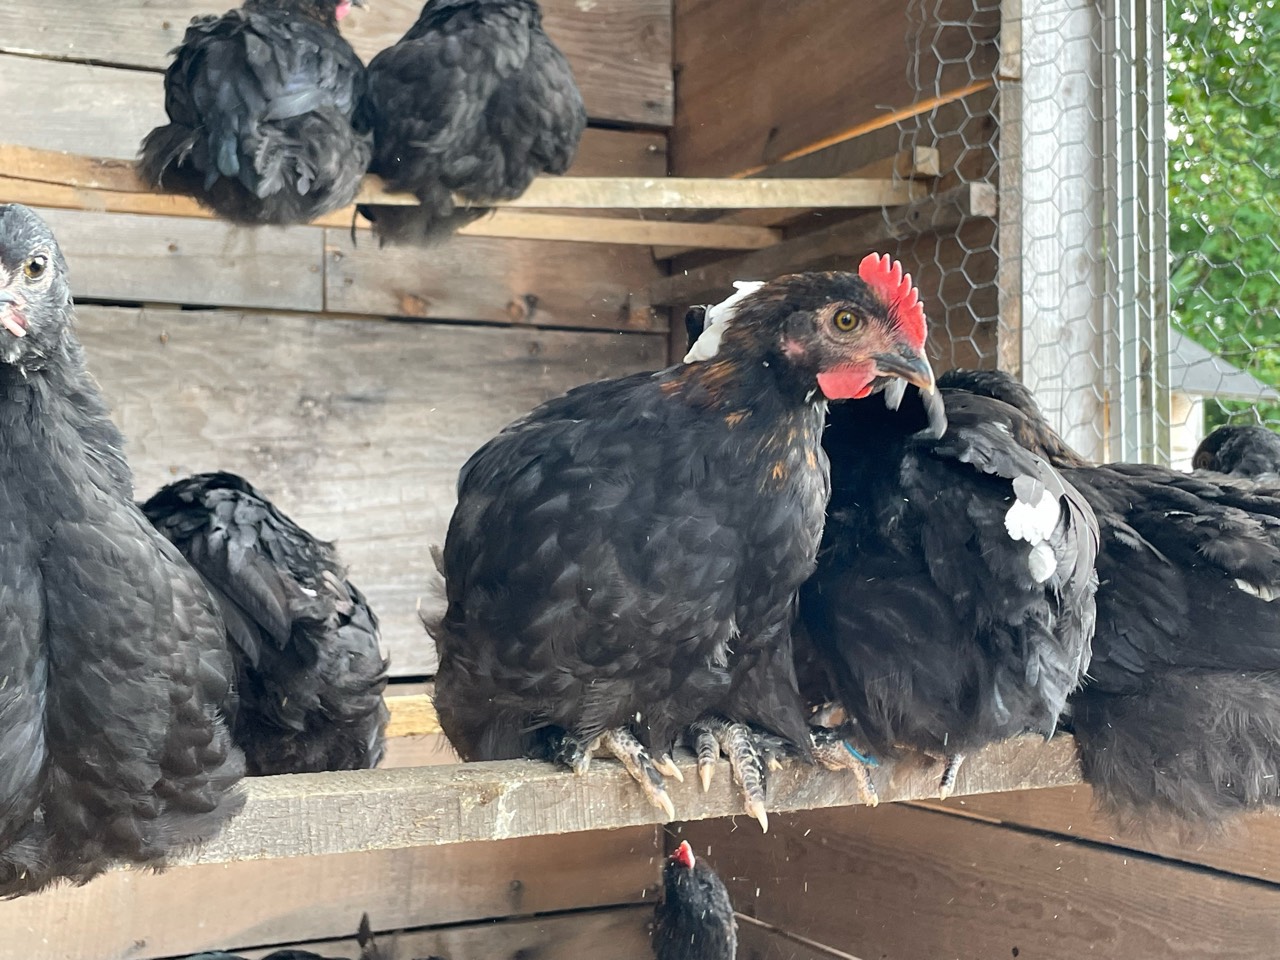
(114, 670)
(1247, 451)
(1180, 717)
(309, 672)
(622, 565)
(260, 102)
(475, 100)
(694, 919)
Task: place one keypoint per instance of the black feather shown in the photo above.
(306, 645)
(113, 663)
(474, 100)
(261, 102)
(1248, 451)
(694, 919)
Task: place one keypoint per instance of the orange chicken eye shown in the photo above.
(34, 268)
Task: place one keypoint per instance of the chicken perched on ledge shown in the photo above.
(113, 657)
(1250, 452)
(260, 102)
(309, 671)
(622, 565)
(1180, 716)
(474, 100)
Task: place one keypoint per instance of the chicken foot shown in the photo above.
(631, 753)
(738, 742)
(831, 750)
(951, 767)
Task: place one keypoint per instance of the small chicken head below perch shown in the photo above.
(35, 298)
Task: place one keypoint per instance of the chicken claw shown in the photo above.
(622, 745)
(949, 771)
(737, 742)
(834, 752)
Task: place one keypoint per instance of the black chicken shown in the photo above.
(1249, 451)
(622, 563)
(260, 102)
(113, 660)
(475, 100)
(1180, 717)
(309, 671)
(694, 919)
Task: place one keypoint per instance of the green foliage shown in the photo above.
(1224, 185)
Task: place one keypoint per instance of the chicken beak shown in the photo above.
(913, 368)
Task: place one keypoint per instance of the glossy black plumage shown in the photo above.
(694, 919)
(261, 101)
(627, 555)
(1248, 451)
(113, 663)
(1181, 713)
(939, 630)
(474, 100)
(310, 674)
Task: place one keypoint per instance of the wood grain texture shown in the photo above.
(828, 247)
(330, 813)
(544, 283)
(355, 428)
(176, 260)
(1250, 846)
(900, 884)
(621, 933)
(127, 915)
(759, 80)
(620, 50)
(758, 941)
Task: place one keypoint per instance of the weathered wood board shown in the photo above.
(128, 915)
(901, 883)
(330, 813)
(621, 933)
(1249, 847)
(760, 81)
(355, 428)
(620, 50)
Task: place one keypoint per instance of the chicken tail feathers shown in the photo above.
(433, 220)
(1191, 749)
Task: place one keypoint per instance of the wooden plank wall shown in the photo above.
(290, 368)
(1033, 874)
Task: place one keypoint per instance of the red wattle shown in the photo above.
(847, 383)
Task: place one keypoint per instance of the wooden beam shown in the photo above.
(573, 193)
(503, 224)
(902, 882)
(829, 247)
(331, 813)
(412, 715)
(135, 915)
(916, 163)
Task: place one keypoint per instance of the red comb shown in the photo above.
(893, 286)
(683, 855)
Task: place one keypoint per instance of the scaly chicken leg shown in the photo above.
(631, 753)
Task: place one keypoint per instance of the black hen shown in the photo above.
(1250, 451)
(1181, 714)
(622, 563)
(113, 661)
(260, 103)
(474, 100)
(310, 675)
(694, 919)
(953, 600)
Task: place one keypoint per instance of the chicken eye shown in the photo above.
(34, 268)
(847, 320)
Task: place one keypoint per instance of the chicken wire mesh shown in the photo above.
(1130, 278)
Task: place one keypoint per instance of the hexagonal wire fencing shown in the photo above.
(1131, 276)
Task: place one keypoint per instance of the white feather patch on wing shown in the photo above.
(1042, 562)
(1035, 512)
(1262, 591)
(718, 317)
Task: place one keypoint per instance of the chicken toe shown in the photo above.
(738, 743)
(835, 753)
(949, 771)
(623, 745)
